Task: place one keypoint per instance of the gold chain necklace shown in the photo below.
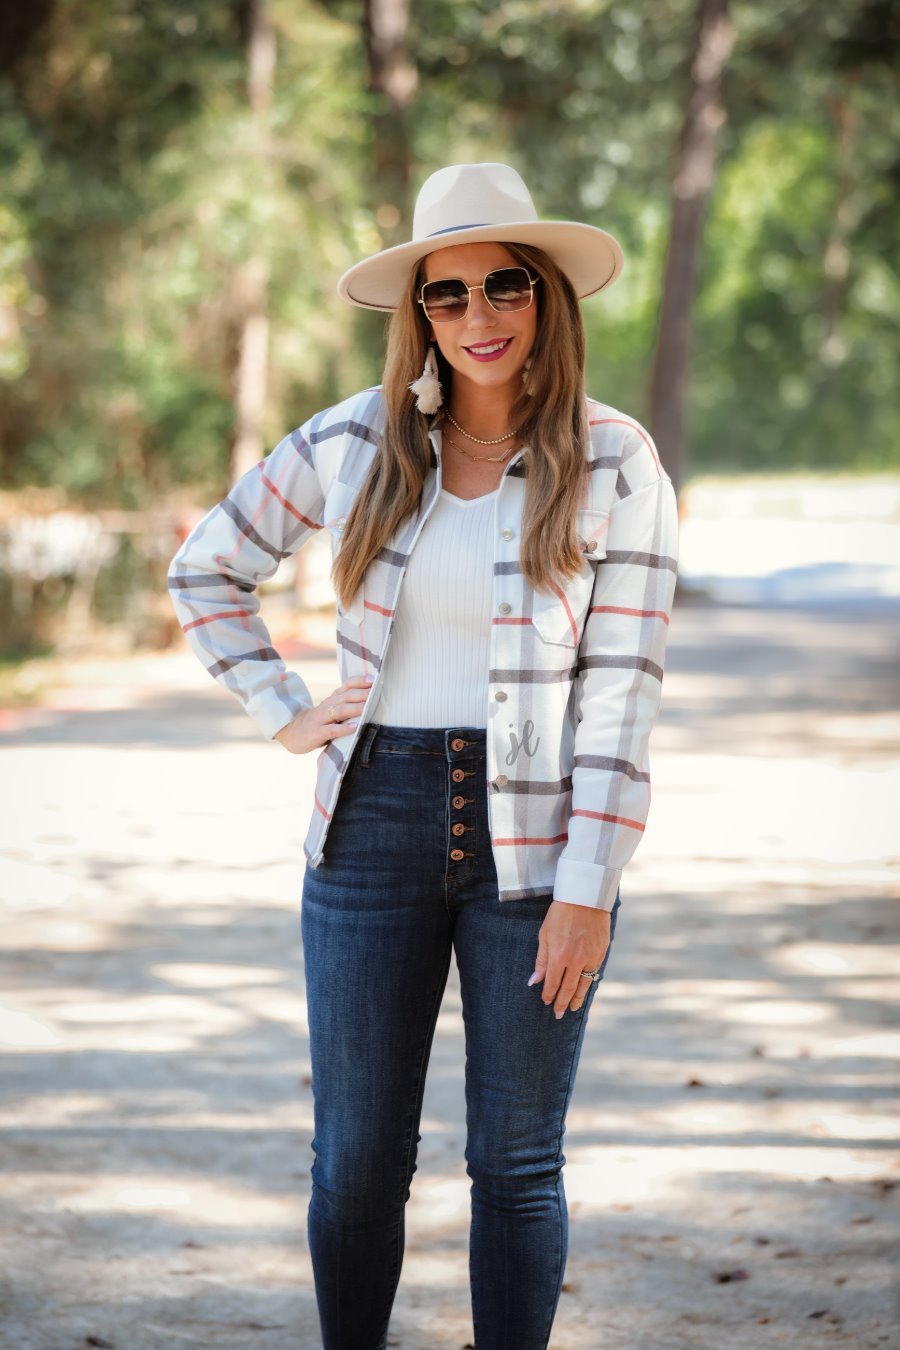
(495, 440)
(480, 459)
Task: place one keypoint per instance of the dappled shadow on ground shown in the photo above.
(732, 1139)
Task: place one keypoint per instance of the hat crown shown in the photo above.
(466, 195)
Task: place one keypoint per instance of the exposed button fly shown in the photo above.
(500, 696)
(458, 775)
(457, 744)
(458, 803)
(504, 608)
(457, 829)
(457, 854)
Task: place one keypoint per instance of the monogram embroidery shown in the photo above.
(522, 742)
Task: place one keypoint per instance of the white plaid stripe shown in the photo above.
(575, 676)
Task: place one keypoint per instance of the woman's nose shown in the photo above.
(480, 311)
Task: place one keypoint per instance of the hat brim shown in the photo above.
(590, 258)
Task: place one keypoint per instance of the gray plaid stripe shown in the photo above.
(549, 816)
(621, 663)
(611, 765)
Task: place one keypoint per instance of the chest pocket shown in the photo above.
(338, 505)
(558, 615)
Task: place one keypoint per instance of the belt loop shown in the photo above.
(365, 745)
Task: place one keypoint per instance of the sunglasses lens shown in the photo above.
(509, 288)
(445, 300)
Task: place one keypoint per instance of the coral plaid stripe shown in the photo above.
(214, 618)
(635, 613)
(572, 699)
(603, 815)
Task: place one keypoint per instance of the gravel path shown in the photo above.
(733, 1176)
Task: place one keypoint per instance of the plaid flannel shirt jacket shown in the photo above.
(576, 671)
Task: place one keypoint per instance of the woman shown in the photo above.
(504, 565)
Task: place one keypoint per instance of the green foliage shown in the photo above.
(137, 182)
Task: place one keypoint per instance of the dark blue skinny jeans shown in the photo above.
(407, 878)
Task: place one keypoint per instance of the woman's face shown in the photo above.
(486, 348)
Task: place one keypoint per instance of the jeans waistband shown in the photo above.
(450, 743)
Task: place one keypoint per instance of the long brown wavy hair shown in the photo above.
(551, 417)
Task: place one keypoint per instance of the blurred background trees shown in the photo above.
(183, 182)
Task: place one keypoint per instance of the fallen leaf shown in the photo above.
(787, 1253)
(728, 1276)
(820, 1312)
(695, 1082)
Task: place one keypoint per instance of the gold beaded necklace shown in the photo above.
(495, 440)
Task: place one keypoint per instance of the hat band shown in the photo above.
(477, 225)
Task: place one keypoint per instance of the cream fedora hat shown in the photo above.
(478, 203)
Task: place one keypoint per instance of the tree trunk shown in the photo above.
(252, 281)
(393, 80)
(693, 180)
(836, 261)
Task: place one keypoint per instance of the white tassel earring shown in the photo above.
(427, 388)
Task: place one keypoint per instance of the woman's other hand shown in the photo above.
(572, 938)
(335, 716)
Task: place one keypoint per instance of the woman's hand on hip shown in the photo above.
(335, 716)
(573, 938)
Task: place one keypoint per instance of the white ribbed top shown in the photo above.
(436, 669)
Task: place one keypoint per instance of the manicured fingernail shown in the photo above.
(533, 979)
(559, 1014)
(370, 679)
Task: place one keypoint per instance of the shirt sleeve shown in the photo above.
(213, 578)
(620, 670)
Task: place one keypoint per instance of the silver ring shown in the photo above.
(592, 975)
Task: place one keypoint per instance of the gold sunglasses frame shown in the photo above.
(518, 268)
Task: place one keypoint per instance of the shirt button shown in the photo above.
(506, 533)
(457, 744)
(500, 696)
(458, 775)
(501, 780)
(591, 544)
(505, 608)
(458, 803)
(457, 854)
(457, 830)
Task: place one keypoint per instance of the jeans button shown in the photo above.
(458, 803)
(457, 830)
(457, 744)
(458, 775)
(457, 854)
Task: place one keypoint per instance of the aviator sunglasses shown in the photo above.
(506, 290)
